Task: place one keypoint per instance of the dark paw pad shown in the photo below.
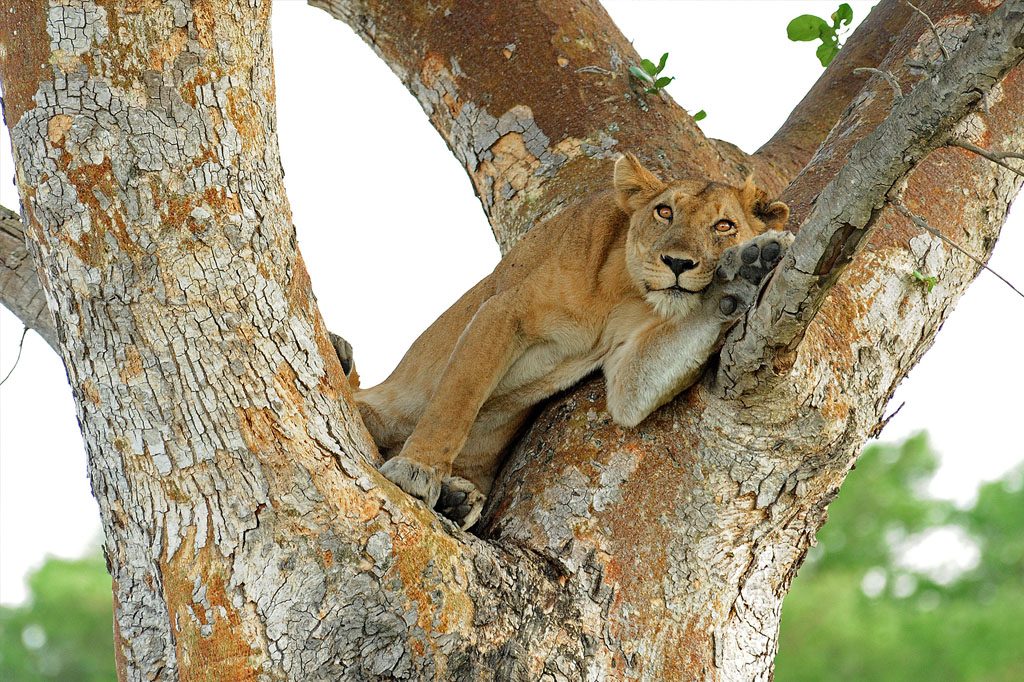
(752, 273)
(461, 501)
(741, 270)
(771, 254)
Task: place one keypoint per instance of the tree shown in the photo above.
(246, 528)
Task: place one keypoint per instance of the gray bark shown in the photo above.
(855, 201)
(247, 530)
(19, 285)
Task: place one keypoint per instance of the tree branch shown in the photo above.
(19, 285)
(923, 224)
(888, 77)
(792, 147)
(849, 206)
(935, 31)
(996, 157)
(533, 118)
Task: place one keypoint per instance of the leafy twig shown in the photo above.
(808, 27)
(930, 282)
(648, 72)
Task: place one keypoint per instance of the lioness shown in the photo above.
(641, 281)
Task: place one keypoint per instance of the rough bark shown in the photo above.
(247, 530)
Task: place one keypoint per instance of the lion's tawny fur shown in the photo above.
(590, 288)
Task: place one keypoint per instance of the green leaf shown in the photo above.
(806, 27)
(651, 91)
(843, 15)
(826, 52)
(663, 81)
(649, 67)
(930, 281)
(661, 62)
(700, 115)
(639, 73)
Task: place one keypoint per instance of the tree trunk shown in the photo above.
(247, 530)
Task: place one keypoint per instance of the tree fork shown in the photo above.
(247, 529)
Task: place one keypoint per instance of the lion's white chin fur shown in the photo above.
(669, 304)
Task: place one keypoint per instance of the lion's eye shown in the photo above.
(663, 211)
(724, 226)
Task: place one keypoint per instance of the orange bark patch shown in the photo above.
(133, 364)
(90, 392)
(433, 66)
(284, 382)
(246, 119)
(136, 6)
(299, 288)
(258, 428)
(189, 88)
(120, 661)
(57, 127)
(219, 197)
(205, 16)
(210, 635)
(513, 162)
(167, 51)
(24, 53)
(91, 248)
(414, 547)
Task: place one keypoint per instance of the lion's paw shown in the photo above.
(344, 350)
(419, 480)
(461, 501)
(741, 270)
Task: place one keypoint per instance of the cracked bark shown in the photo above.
(247, 530)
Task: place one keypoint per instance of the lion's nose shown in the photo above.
(678, 265)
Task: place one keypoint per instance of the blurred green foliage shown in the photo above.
(967, 627)
(64, 632)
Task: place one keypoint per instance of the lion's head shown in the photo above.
(678, 230)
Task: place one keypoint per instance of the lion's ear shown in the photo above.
(756, 203)
(634, 183)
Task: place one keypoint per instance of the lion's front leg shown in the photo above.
(657, 364)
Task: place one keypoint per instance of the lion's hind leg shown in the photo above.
(461, 501)
(348, 363)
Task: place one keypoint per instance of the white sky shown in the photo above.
(383, 270)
